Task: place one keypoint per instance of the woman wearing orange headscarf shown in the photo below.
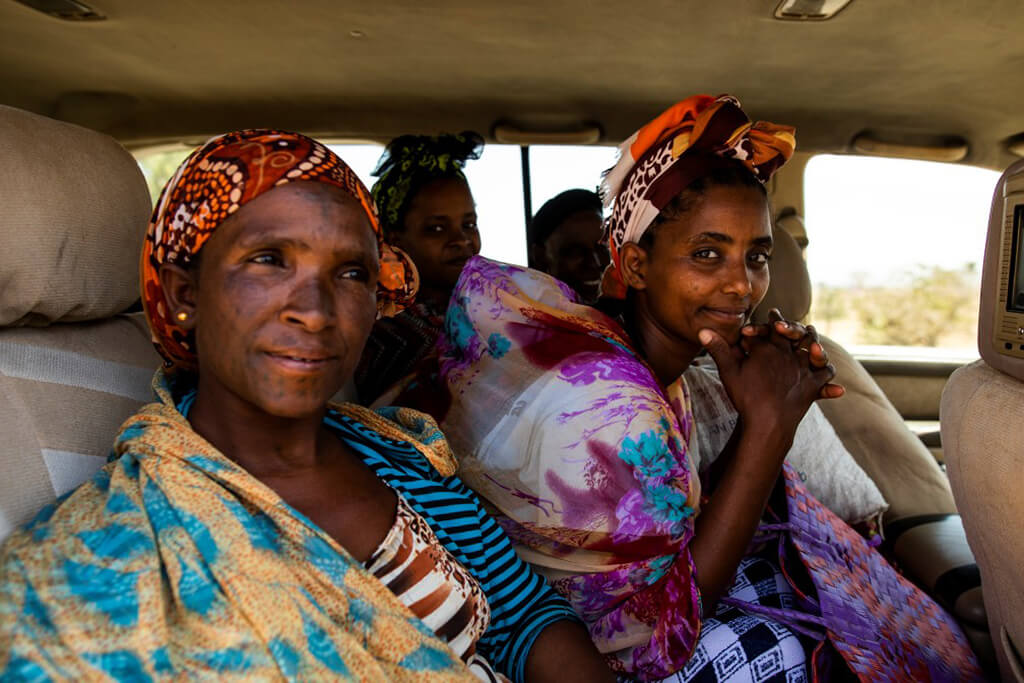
(245, 528)
(576, 425)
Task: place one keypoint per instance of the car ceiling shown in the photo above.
(160, 71)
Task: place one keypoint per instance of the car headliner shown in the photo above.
(160, 71)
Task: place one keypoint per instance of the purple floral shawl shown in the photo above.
(589, 464)
(566, 432)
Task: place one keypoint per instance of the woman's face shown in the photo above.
(285, 299)
(440, 232)
(575, 255)
(708, 268)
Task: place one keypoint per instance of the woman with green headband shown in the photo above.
(426, 210)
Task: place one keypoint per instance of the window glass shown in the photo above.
(496, 182)
(159, 164)
(556, 168)
(495, 179)
(361, 158)
(895, 250)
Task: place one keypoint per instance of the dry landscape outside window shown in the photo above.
(159, 164)
(895, 253)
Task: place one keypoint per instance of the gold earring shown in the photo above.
(182, 316)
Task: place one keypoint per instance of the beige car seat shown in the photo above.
(71, 367)
(922, 529)
(982, 413)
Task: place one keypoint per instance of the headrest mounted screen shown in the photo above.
(1001, 318)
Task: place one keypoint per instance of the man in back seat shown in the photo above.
(564, 241)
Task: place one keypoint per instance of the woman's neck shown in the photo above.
(434, 297)
(667, 354)
(265, 445)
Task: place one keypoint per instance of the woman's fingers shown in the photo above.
(795, 333)
(832, 390)
(784, 340)
(818, 382)
(720, 352)
(790, 330)
(804, 339)
(759, 330)
(816, 354)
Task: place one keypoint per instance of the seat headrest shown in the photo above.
(790, 286)
(1001, 314)
(75, 213)
(790, 221)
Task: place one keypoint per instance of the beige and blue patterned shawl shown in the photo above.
(174, 561)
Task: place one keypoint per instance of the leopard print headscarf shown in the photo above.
(661, 159)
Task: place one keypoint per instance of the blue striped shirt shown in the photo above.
(521, 603)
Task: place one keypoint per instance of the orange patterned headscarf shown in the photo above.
(661, 159)
(218, 179)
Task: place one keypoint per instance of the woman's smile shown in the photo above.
(705, 268)
(459, 260)
(729, 315)
(305, 362)
(290, 280)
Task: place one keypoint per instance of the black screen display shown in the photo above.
(1015, 297)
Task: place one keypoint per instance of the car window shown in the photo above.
(556, 168)
(495, 179)
(158, 164)
(895, 251)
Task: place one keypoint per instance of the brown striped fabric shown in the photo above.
(414, 565)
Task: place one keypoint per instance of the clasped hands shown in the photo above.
(766, 351)
(803, 339)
